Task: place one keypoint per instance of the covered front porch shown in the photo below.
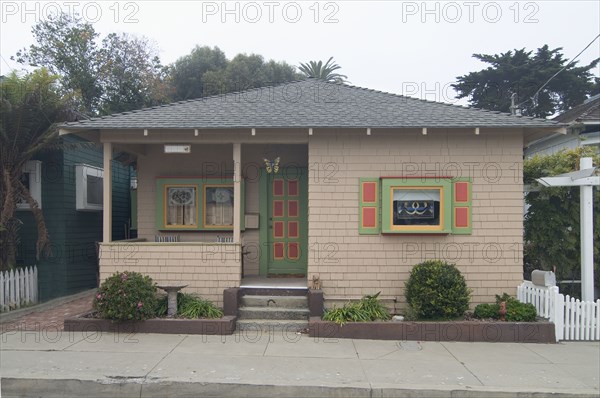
(258, 231)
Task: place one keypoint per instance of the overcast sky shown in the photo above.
(412, 48)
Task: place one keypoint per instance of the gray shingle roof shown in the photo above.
(304, 104)
(589, 111)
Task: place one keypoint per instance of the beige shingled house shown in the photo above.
(317, 183)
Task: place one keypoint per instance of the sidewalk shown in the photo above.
(54, 363)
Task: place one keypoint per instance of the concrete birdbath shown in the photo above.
(172, 298)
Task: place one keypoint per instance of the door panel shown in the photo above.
(284, 215)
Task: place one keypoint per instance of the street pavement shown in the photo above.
(38, 358)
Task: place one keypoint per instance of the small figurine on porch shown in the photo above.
(316, 282)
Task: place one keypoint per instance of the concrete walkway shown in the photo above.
(54, 363)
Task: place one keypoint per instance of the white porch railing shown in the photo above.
(572, 318)
(18, 288)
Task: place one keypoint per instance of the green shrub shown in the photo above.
(487, 311)
(190, 306)
(520, 312)
(126, 296)
(505, 297)
(436, 289)
(368, 309)
(516, 311)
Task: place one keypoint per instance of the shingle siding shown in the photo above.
(351, 266)
(206, 269)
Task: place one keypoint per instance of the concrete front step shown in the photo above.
(265, 325)
(273, 291)
(275, 301)
(273, 313)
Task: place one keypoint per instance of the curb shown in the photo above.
(142, 388)
(12, 315)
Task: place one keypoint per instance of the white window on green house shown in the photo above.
(89, 186)
(32, 179)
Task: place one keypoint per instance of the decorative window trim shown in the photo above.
(376, 205)
(201, 184)
(387, 201)
(462, 203)
(82, 172)
(34, 169)
(369, 206)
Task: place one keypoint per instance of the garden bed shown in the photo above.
(213, 326)
(467, 331)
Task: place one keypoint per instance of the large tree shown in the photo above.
(207, 71)
(122, 72)
(523, 73)
(29, 108)
(322, 71)
(131, 74)
(67, 47)
(249, 71)
(188, 72)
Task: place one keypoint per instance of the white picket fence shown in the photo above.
(572, 318)
(18, 288)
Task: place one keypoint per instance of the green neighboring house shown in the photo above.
(68, 186)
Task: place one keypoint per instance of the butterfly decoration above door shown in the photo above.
(272, 166)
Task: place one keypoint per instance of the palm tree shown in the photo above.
(29, 107)
(325, 72)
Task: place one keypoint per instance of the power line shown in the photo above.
(532, 98)
(7, 64)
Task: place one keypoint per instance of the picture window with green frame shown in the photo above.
(416, 206)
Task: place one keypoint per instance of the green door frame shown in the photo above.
(300, 265)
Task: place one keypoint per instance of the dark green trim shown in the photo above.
(134, 220)
(263, 223)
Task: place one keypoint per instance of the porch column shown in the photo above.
(237, 192)
(107, 194)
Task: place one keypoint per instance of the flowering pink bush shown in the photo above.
(126, 296)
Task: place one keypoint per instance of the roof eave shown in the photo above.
(533, 135)
(92, 135)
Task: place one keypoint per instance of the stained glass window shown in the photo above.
(197, 204)
(218, 205)
(416, 207)
(181, 206)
